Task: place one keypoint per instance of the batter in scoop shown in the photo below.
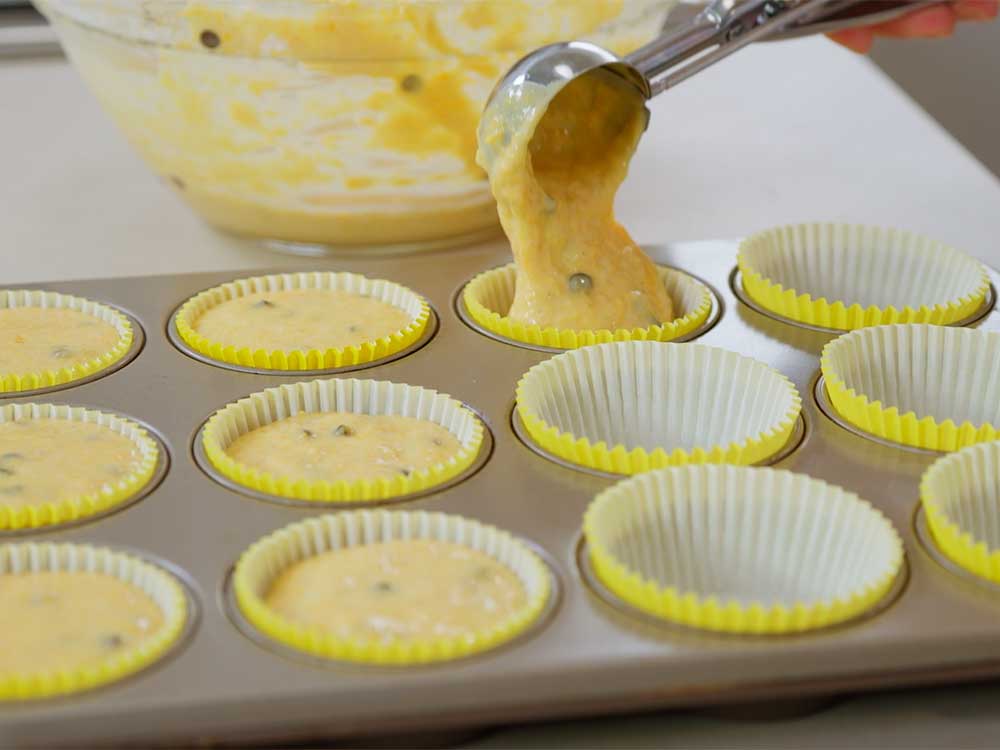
(400, 590)
(341, 445)
(33, 339)
(48, 460)
(301, 319)
(555, 181)
(70, 620)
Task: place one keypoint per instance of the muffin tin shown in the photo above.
(589, 655)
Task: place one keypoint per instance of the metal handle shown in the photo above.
(725, 26)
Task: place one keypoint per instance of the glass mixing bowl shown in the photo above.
(318, 124)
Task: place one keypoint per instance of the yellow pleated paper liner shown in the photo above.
(925, 386)
(960, 495)
(627, 407)
(742, 550)
(489, 295)
(11, 382)
(847, 276)
(373, 397)
(78, 507)
(266, 559)
(163, 588)
(186, 321)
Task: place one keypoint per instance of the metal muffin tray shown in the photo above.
(590, 655)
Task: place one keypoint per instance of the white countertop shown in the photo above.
(781, 133)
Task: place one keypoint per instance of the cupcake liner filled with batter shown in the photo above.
(343, 440)
(74, 617)
(628, 407)
(60, 464)
(926, 386)
(488, 298)
(303, 321)
(740, 549)
(960, 495)
(49, 339)
(846, 276)
(391, 587)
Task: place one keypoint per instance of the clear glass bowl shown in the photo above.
(319, 124)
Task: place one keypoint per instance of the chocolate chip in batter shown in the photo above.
(210, 39)
(353, 329)
(405, 472)
(14, 489)
(411, 83)
(342, 430)
(383, 587)
(264, 303)
(11, 456)
(112, 641)
(4, 471)
(177, 182)
(308, 433)
(580, 282)
(437, 441)
(61, 352)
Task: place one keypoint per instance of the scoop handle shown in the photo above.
(725, 26)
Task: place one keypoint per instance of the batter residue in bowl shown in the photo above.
(555, 179)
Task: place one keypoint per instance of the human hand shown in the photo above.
(932, 21)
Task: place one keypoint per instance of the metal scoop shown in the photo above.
(718, 30)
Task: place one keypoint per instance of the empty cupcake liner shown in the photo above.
(78, 507)
(266, 559)
(295, 359)
(847, 276)
(162, 587)
(28, 381)
(628, 407)
(375, 397)
(920, 385)
(743, 550)
(489, 295)
(960, 495)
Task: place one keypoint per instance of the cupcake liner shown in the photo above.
(11, 382)
(162, 587)
(373, 397)
(489, 295)
(744, 550)
(847, 276)
(919, 385)
(628, 407)
(266, 559)
(296, 359)
(960, 494)
(75, 508)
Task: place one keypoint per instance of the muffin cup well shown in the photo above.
(628, 407)
(11, 382)
(926, 386)
(79, 507)
(374, 397)
(488, 298)
(847, 276)
(266, 559)
(314, 359)
(159, 585)
(960, 494)
(743, 550)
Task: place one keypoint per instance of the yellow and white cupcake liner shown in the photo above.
(925, 386)
(628, 407)
(374, 397)
(415, 306)
(489, 295)
(266, 559)
(846, 276)
(79, 507)
(12, 382)
(742, 550)
(960, 495)
(160, 586)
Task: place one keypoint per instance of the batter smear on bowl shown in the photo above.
(555, 180)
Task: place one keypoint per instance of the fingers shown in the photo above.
(934, 21)
(856, 40)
